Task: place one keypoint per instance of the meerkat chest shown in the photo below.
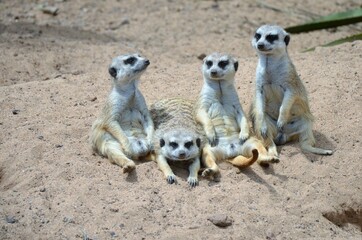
(128, 112)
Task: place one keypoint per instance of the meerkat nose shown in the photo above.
(147, 62)
(182, 155)
(261, 46)
(213, 73)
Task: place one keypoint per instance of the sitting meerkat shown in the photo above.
(219, 111)
(124, 129)
(280, 111)
(177, 138)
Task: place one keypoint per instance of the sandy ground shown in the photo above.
(54, 81)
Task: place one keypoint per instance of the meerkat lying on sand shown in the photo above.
(124, 129)
(219, 111)
(280, 112)
(177, 138)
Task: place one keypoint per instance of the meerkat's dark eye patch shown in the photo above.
(112, 71)
(209, 64)
(198, 142)
(162, 142)
(223, 64)
(272, 37)
(130, 60)
(174, 145)
(257, 36)
(189, 144)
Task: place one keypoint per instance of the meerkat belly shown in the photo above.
(131, 122)
(273, 99)
(224, 121)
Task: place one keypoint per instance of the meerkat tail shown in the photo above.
(111, 149)
(243, 162)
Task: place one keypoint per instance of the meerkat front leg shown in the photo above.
(166, 169)
(203, 118)
(244, 126)
(284, 110)
(147, 122)
(261, 124)
(149, 128)
(194, 169)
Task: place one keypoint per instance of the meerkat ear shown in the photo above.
(236, 65)
(112, 71)
(162, 142)
(287, 39)
(198, 142)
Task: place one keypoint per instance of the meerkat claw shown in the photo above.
(171, 179)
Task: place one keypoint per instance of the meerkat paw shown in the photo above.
(264, 129)
(212, 140)
(265, 160)
(208, 172)
(243, 138)
(140, 146)
(328, 152)
(280, 139)
(129, 167)
(192, 181)
(281, 122)
(171, 179)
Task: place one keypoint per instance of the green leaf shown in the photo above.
(329, 21)
(339, 41)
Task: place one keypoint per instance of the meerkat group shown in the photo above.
(214, 127)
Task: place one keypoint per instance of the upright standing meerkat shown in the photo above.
(219, 111)
(280, 112)
(177, 138)
(124, 129)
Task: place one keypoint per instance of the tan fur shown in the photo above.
(175, 128)
(124, 129)
(280, 111)
(218, 109)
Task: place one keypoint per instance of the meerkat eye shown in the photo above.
(271, 38)
(189, 144)
(174, 145)
(130, 60)
(209, 64)
(223, 64)
(257, 36)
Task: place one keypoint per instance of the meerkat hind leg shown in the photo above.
(264, 155)
(208, 159)
(307, 142)
(112, 150)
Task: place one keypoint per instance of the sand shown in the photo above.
(53, 84)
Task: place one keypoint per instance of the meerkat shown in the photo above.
(123, 131)
(226, 126)
(280, 111)
(177, 138)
